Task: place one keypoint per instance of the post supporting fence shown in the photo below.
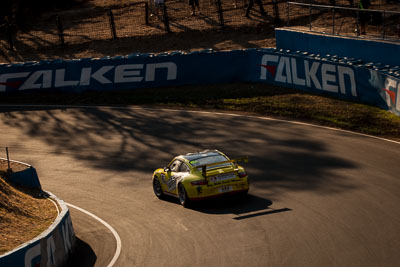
(165, 17)
(220, 13)
(9, 170)
(358, 23)
(112, 23)
(333, 20)
(146, 13)
(10, 34)
(383, 24)
(287, 12)
(277, 19)
(60, 30)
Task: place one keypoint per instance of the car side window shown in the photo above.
(175, 165)
(184, 168)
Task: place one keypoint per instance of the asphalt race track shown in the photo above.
(318, 197)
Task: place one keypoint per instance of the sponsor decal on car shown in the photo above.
(222, 177)
(224, 189)
(162, 177)
(172, 183)
(199, 190)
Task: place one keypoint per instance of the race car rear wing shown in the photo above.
(234, 161)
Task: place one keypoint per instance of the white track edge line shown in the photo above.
(112, 230)
(210, 112)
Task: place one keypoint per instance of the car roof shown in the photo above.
(202, 154)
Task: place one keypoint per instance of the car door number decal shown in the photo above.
(171, 183)
(174, 180)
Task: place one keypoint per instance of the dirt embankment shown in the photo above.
(23, 213)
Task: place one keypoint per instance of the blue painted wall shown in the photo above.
(27, 177)
(367, 50)
(335, 76)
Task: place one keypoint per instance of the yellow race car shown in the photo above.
(200, 175)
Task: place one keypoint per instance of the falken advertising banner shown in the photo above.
(130, 72)
(293, 70)
(346, 81)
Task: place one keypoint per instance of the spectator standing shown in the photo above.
(194, 4)
(364, 15)
(251, 4)
(152, 7)
(158, 5)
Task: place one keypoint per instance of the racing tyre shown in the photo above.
(183, 198)
(157, 188)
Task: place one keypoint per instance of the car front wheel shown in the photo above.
(157, 188)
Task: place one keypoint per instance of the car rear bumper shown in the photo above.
(236, 192)
(220, 189)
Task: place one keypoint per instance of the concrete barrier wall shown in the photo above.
(27, 177)
(367, 50)
(51, 248)
(336, 76)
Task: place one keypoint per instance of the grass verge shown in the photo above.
(23, 214)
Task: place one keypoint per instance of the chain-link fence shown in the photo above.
(79, 26)
(345, 21)
(138, 19)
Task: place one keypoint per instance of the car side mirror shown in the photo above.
(167, 169)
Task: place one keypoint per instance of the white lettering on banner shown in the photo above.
(60, 79)
(151, 70)
(32, 253)
(398, 97)
(31, 82)
(86, 75)
(67, 234)
(350, 73)
(392, 87)
(122, 74)
(326, 77)
(283, 65)
(296, 79)
(311, 74)
(264, 63)
(51, 248)
(389, 84)
(333, 77)
(5, 77)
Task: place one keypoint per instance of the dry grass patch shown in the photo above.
(23, 214)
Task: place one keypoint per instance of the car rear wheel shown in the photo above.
(157, 188)
(244, 194)
(183, 198)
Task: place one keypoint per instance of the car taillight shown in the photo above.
(201, 182)
(242, 174)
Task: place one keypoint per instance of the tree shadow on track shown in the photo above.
(243, 207)
(282, 156)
